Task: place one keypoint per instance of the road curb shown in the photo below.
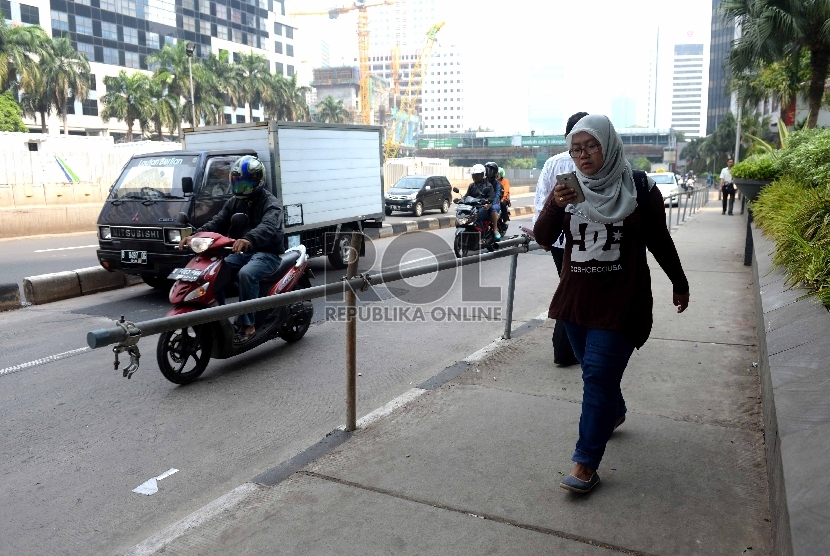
(47, 288)
(9, 297)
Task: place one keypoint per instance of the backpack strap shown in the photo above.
(641, 182)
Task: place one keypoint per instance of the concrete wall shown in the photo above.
(795, 385)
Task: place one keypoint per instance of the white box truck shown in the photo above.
(329, 178)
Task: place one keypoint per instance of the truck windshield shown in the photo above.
(155, 177)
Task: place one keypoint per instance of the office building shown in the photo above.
(118, 35)
(687, 91)
(719, 98)
(623, 112)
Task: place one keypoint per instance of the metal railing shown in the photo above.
(126, 335)
(692, 201)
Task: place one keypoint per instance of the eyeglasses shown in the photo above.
(589, 150)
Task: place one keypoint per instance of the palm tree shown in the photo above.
(173, 69)
(332, 111)
(206, 96)
(772, 30)
(20, 49)
(297, 108)
(38, 98)
(166, 111)
(68, 76)
(226, 79)
(252, 72)
(128, 99)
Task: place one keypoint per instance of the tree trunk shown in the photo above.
(250, 111)
(129, 131)
(819, 61)
(158, 127)
(43, 129)
(65, 123)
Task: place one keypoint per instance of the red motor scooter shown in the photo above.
(183, 354)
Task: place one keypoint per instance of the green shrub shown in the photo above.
(807, 157)
(758, 167)
(796, 216)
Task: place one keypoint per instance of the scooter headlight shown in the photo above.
(200, 292)
(200, 244)
(462, 220)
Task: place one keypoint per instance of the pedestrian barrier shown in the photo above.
(692, 201)
(126, 335)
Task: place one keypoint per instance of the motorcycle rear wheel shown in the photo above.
(175, 349)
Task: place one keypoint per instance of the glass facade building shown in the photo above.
(723, 32)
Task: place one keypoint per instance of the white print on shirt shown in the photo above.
(595, 269)
(593, 241)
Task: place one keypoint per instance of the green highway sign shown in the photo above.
(439, 143)
(499, 141)
(544, 141)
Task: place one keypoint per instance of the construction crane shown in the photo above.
(400, 121)
(363, 49)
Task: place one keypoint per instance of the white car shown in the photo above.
(668, 185)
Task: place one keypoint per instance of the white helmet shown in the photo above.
(477, 169)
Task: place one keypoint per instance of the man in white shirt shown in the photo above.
(561, 163)
(727, 186)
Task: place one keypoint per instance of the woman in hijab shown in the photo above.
(604, 294)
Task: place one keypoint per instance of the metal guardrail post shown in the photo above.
(685, 204)
(351, 335)
(511, 288)
(670, 206)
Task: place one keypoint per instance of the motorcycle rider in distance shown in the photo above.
(483, 190)
(492, 175)
(505, 195)
(256, 253)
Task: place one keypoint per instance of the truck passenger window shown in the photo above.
(217, 181)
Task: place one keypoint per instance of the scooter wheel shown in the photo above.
(460, 246)
(183, 354)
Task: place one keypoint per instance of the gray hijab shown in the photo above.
(610, 194)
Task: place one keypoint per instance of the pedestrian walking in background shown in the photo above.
(727, 186)
(561, 163)
(604, 295)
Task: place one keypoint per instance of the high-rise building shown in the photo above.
(118, 35)
(688, 99)
(442, 96)
(544, 107)
(404, 24)
(719, 99)
(623, 112)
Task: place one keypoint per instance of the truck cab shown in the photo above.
(138, 229)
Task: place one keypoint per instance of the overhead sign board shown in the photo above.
(439, 143)
(544, 141)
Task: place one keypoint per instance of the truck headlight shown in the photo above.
(200, 244)
(174, 236)
(104, 232)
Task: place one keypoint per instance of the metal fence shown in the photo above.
(690, 201)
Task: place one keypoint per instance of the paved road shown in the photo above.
(31, 256)
(77, 438)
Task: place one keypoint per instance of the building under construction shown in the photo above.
(343, 83)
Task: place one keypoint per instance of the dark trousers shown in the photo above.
(731, 197)
(563, 353)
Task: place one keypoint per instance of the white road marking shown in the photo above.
(151, 486)
(50, 359)
(64, 248)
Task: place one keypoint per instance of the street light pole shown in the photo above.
(189, 49)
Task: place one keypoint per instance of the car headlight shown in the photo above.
(200, 244)
(104, 232)
(412, 196)
(174, 236)
(197, 293)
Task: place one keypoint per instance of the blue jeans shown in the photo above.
(252, 269)
(603, 355)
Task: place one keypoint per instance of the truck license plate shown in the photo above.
(185, 274)
(134, 257)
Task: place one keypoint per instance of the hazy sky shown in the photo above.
(605, 47)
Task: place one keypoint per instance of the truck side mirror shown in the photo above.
(183, 219)
(455, 190)
(187, 185)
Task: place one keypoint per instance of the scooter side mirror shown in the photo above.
(187, 185)
(183, 219)
(455, 190)
(239, 222)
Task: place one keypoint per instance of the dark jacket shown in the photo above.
(264, 229)
(483, 191)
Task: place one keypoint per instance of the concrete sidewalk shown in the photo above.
(471, 464)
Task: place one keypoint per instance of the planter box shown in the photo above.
(750, 188)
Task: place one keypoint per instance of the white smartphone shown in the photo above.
(570, 181)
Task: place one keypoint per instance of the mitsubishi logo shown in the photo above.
(135, 218)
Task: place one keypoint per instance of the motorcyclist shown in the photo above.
(491, 175)
(505, 195)
(482, 190)
(256, 253)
